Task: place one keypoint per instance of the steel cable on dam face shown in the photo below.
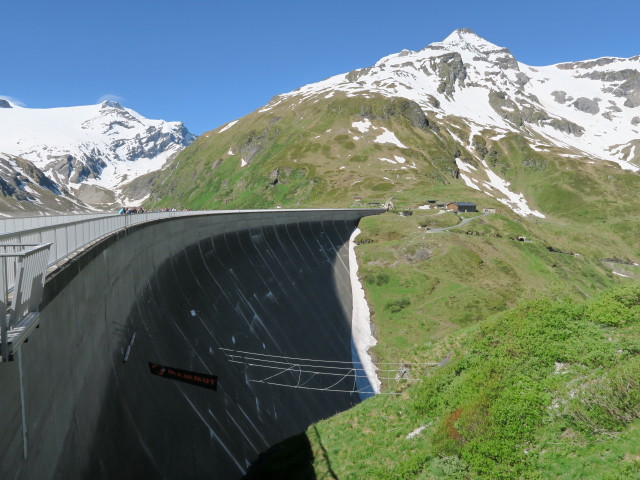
(281, 290)
(317, 304)
(283, 272)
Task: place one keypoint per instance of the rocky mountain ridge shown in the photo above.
(93, 150)
(27, 189)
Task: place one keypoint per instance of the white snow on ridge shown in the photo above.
(363, 126)
(493, 184)
(469, 182)
(119, 142)
(515, 201)
(414, 75)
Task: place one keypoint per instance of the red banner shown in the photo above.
(199, 379)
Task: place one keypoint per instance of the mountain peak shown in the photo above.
(5, 103)
(465, 38)
(111, 104)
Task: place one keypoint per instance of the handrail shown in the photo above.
(71, 236)
(26, 264)
(17, 224)
(25, 256)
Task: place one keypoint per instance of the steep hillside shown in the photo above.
(25, 188)
(553, 150)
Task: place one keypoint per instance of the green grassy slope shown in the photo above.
(549, 389)
(314, 156)
(306, 153)
(450, 280)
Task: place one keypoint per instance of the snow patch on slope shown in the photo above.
(496, 187)
(363, 339)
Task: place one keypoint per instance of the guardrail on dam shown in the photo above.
(200, 296)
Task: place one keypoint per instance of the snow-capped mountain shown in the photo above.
(92, 150)
(588, 109)
(591, 106)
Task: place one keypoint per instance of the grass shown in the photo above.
(456, 278)
(507, 405)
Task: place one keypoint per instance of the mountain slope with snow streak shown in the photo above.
(588, 109)
(25, 188)
(589, 106)
(96, 147)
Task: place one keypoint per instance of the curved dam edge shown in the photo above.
(183, 289)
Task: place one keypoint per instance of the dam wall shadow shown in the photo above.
(214, 295)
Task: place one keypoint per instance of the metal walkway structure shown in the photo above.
(22, 273)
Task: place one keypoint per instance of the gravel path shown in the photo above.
(464, 221)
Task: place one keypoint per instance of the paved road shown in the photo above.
(464, 221)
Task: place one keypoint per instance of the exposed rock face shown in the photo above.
(255, 142)
(599, 62)
(560, 96)
(71, 170)
(25, 187)
(566, 126)
(4, 103)
(586, 105)
(630, 91)
(407, 109)
(394, 107)
(506, 61)
(451, 70)
(506, 107)
(356, 74)
(610, 76)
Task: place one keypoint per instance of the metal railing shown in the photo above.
(70, 233)
(54, 239)
(22, 275)
(16, 224)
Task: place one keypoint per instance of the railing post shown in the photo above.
(4, 328)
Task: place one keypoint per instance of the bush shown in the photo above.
(397, 305)
(379, 279)
(452, 467)
(614, 308)
(608, 402)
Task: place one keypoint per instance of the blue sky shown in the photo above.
(207, 62)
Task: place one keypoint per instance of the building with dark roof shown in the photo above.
(461, 207)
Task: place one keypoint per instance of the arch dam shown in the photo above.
(197, 297)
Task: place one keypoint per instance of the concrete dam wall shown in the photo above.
(229, 295)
